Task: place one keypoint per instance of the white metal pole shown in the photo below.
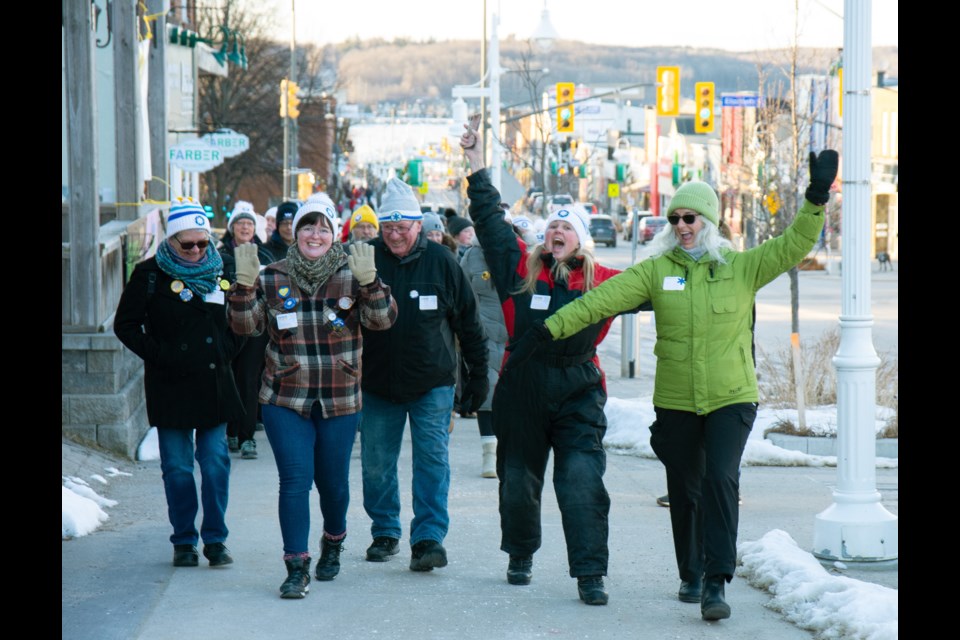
(496, 153)
(856, 527)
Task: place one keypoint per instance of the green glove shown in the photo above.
(361, 263)
(248, 264)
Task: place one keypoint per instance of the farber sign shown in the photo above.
(195, 156)
(228, 141)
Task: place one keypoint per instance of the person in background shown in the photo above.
(705, 396)
(433, 227)
(364, 225)
(553, 403)
(474, 265)
(171, 314)
(248, 365)
(311, 305)
(282, 236)
(409, 372)
(462, 231)
(271, 218)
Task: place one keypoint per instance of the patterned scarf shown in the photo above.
(200, 277)
(310, 274)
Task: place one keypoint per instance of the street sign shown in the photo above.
(613, 190)
(228, 141)
(741, 100)
(195, 156)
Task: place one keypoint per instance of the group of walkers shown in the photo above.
(399, 327)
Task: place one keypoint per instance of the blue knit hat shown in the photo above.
(186, 214)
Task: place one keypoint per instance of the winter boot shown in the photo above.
(328, 566)
(712, 603)
(489, 468)
(520, 570)
(591, 590)
(297, 584)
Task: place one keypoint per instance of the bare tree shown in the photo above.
(247, 101)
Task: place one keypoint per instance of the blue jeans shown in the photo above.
(176, 463)
(380, 438)
(308, 451)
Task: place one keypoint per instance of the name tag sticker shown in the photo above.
(674, 283)
(540, 302)
(428, 303)
(286, 320)
(214, 297)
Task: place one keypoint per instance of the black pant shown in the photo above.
(537, 408)
(248, 371)
(702, 456)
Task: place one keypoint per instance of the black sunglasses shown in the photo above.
(688, 218)
(188, 246)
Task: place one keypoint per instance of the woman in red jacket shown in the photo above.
(554, 401)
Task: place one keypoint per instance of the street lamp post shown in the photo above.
(544, 35)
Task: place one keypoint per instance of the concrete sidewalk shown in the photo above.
(118, 581)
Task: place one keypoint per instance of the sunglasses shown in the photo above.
(188, 246)
(688, 218)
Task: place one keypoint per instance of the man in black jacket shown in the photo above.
(409, 371)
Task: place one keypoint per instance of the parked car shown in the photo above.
(628, 223)
(649, 227)
(603, 230)
(590, 208)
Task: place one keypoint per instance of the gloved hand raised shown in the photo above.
(522, 349)
(248, 264)
(361, 263)
(474, 392)
(823, 171)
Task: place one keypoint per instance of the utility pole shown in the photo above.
(289, 124)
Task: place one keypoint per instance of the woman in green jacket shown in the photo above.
(705, 391)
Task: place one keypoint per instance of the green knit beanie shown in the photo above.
(698, 196)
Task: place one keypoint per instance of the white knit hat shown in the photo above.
(527, 231)
(242, 210)
(399, 203)
(271, 213)
(317, 203)
(577, 217)
(186, 214)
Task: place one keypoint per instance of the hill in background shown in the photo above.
(375, 71)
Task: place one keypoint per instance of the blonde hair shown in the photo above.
(560, 269)
(710, 239)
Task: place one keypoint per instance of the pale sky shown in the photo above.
(735, 25)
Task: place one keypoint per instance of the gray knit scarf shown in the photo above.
(310, 274)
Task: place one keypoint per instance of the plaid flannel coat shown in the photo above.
(318, 359)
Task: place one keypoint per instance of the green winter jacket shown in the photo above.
(703, 314)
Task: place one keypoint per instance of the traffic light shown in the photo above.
(704, 92)
(293, 102)
(668, 91)
(283, 98)
(305, 182)
(565, 107)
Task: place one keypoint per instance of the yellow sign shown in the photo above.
(772, 202)
(613, 190)
(424, 188)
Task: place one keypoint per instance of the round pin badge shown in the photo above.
(224, 284)
(283, 292)
(289, 303)
(414, 294)
(332, 317)
(485, 275)
(345, 303)
(176, 286)
(186, 295)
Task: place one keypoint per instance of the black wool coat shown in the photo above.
(186, 348)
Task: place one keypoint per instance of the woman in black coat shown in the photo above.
(172, 314)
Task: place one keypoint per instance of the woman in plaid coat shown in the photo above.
(313, 305)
